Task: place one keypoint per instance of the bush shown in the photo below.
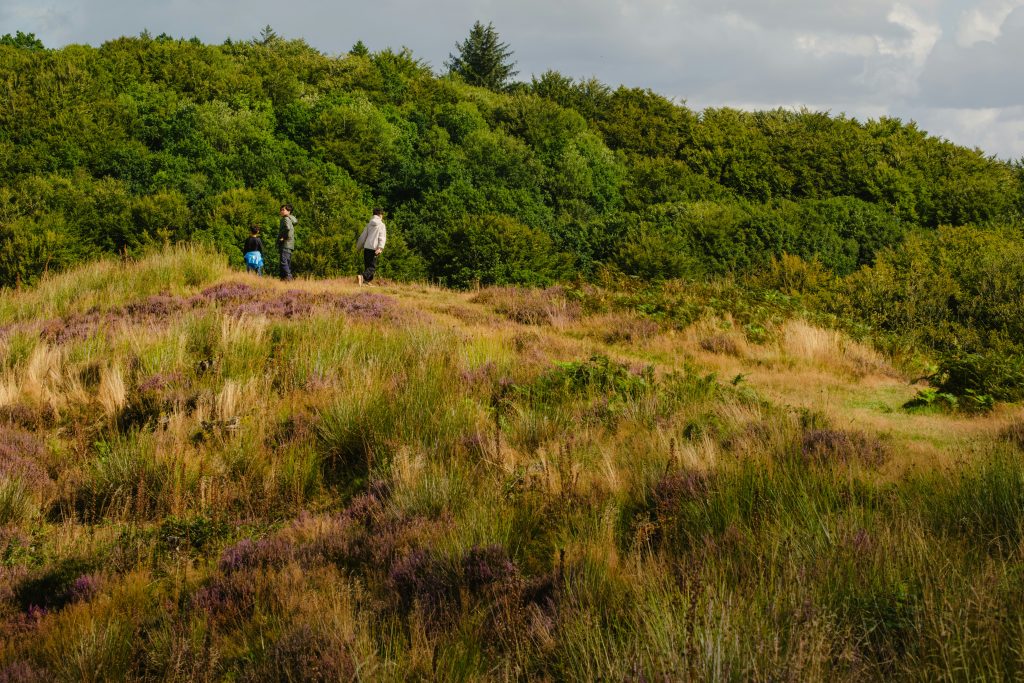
(977, 375)
(495, 250)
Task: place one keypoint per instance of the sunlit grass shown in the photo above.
(477, 486)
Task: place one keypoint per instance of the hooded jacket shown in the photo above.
(375, 234)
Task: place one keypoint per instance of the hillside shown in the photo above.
(205, 475)
(146, 141)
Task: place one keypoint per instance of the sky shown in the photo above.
(956, 67)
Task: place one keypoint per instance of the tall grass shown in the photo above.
(275, 493)
(180, 269)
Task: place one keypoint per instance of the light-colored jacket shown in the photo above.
(375, 234)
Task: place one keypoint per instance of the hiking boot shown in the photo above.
(359, 279)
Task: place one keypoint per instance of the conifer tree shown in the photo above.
(267, 36)
(483, 59)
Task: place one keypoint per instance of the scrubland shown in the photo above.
(205, 475)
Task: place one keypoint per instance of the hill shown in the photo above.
(207, 475)
(149, 141)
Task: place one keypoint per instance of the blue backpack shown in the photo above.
(254, 259)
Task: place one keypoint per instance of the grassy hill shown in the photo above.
(205, 475)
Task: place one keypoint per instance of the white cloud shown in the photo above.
(922, 36)
(984, 22)
(982, 76)
(822, 45)
(998, 131)
(51, 23)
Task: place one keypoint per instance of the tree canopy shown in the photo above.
(151, 140)
(482, 59)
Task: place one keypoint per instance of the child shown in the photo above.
(253, 251)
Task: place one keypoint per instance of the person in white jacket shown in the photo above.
(372, 241)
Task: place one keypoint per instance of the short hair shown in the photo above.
(378, 212)
(254, 229)
(287, 206)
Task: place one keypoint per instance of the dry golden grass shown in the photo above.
(831, 349)
(112, 394)
(621, 500)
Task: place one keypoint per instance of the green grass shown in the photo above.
(271, 498)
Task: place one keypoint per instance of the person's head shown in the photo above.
(286, 209)
(254, 229)
(378, 213)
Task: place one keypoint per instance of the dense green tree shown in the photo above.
(24, 41)
(482, 59)
(147, 140)
(495, 250)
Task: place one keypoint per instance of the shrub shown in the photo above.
(829, 446)
(304, 654)
(495, 250)
(975, 375)
(424, 578)
(597, 375)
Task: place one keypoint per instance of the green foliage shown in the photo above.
(22, 41)
(598, 375)
(957, 291)
(982, 376)
(148, 141)
(495, 250)
(930, 397)
(482, 58)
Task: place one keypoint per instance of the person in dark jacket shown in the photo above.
(286, 240)
(253, 251)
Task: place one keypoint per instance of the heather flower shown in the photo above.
(32, 418)
(303, 654)
(422, 577)
(19, 451)
(249, 554)
(21, 671)
(479, 376)
(160, 382)
(679, 487)
(224, 596)
(158, 307)
(824, 446)
(531, 306)
(19, 442)
(84, 588)
(73, 327)
(226, 292)
(483, 567)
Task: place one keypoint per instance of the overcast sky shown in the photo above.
(954, 66)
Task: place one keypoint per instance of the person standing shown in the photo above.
(286, 240)
(253, 251)
(371, 241)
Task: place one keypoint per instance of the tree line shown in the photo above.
(151, 140)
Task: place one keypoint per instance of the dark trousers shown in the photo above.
(369, 263)
(286, 264)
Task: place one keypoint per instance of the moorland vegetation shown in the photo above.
(648, 393)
